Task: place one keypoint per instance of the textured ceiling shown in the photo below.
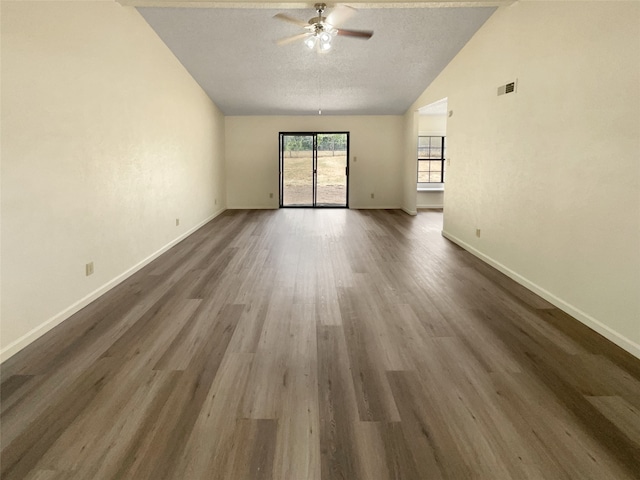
(232, 54)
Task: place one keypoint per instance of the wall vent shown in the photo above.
(508, 88)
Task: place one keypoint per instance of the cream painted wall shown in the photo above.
(551, 174)
(252, 157)
(426, 199)
(431, 125)
(106, 140)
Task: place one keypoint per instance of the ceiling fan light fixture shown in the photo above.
(311, 41)
(325, 37)
(324, 41)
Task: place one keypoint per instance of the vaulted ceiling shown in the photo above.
(233, 55)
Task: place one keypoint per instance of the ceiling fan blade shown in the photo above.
(365, 34)
(287, 40)
(287, 18)
(340, 14)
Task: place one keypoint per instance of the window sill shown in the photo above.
(439, 188)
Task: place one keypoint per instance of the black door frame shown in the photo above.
(314, 167)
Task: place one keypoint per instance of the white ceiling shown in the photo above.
(232, 54)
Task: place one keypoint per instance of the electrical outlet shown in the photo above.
(373, 195)
(271, 195)
(478, 232)
(448, 162)
(88, 268)
(177, 222)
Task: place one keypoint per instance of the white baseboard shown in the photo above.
(261, 207)
(630, 346)
(440, 205)
(374, 207)
(47, 325)
(410, 212)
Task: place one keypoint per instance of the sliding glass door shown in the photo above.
(314, 169)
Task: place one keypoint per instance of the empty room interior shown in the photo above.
(278, 240)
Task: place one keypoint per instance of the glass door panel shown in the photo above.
(331, 179)
(297, 160)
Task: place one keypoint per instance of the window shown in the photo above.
(430, 159)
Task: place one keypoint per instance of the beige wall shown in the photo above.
(106, 140)
(551, 174)
(252, 157)
(409, 162)
(432, 125)
(426, 199)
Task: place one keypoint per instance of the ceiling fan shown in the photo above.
(320, 30)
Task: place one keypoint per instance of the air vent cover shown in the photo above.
(508, 88)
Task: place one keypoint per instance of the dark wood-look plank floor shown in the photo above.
(320, 344)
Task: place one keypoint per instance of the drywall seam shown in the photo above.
(35, 333)
(620, 340)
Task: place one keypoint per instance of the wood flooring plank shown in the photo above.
(399, 458)
(251, 451)
(328, 312)
(305, 282)
(106, 435)
(543, 362)
(209, 444)
(256, 278)
(503, 282)
(163, 446)
(489, 351)
(563, 448)
(325, 296)
(155, 331)
(375, 402)
(21, 454)
(591, 341)
(432, 445)
(469, 400)
(189, 251)
(621, 413)
(269, 373)
(320, 344)
(12, 385)
(210, 281)
(246, 338)
(338, 409)
(48, 475)
(297, 453)
(371, 450)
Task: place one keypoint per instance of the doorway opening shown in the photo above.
(314, 169)
(432, 156)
